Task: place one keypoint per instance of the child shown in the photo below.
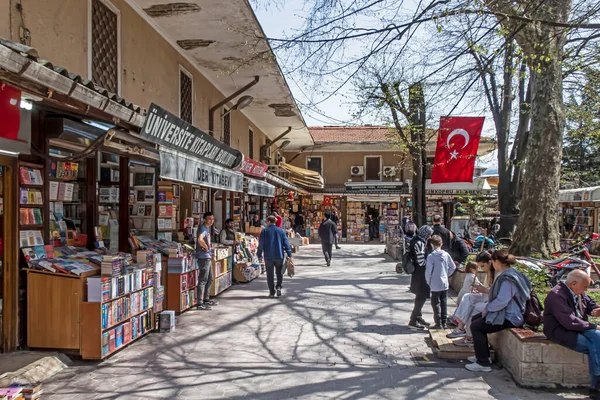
(470, 281)
(439, 267)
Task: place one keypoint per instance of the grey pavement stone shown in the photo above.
(337, 333)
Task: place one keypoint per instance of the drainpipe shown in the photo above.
(271, 142)
(211, 113)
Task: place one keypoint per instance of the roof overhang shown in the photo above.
(225, 41)
(579, 195)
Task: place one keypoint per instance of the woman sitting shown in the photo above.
(474, 302)
(508, 295)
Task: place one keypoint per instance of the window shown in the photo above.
(315, 164)
(250, 143)
(104, 45)
(186, 96)
(227, 128)
(373, 168)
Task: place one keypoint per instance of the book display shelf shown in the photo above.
(237, 211)
(357, 230)
(199, 203)
(67, 200)
(247, 266)
(119, 307)
(222, 265)
(169, 202)
(107, 224)
(142, 199)
(31, 207)
(182, 280)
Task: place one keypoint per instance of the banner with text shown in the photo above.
(259, 188)
(182, 168)
(163, 128)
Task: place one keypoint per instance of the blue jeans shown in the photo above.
(588, 342)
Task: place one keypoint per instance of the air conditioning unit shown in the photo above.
(357, 170)
(389, 171)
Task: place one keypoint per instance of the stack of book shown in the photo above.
(181, 264)
(112, 266)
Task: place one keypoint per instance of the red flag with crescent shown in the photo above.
(456, 150)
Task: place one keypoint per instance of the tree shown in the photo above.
(581, 156)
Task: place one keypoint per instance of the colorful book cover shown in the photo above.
(25, 176)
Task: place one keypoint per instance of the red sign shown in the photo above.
(456, 150)
(253, 167)
(10, 112)
(326, 201)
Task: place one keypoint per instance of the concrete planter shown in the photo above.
(534, 361)
(458, 279)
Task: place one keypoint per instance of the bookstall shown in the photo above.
(315, 207)
(580, 212)
(247, 265)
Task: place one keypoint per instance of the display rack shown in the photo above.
(199, 203)
(182, 280)
(119, 308)
(222, 264)
(356, 229)
(237, 211)
(389, 222)
(31, 203)
(169, 202)
(247, 266)
(107, 224)
(142, 199)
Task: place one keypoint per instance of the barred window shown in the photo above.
(185, 97)
(105, 46)
(227, 128)
(250, 143)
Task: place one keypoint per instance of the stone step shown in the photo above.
(446, 349)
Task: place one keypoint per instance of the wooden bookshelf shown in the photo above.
(222, 266)
(93, 334)
(178, 290)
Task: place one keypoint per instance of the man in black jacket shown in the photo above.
(458, 249)
(566, 312)
(439, 230)
(335, 219)
(327, 234)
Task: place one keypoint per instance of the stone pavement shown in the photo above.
(338, 333)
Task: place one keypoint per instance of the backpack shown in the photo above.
(533, 310)
(407, 263)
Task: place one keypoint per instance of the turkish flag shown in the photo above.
(10, 112)
(456, 150)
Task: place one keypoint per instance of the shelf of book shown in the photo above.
(31, 203)
(181, 290)
(222, 266)
(98, 343)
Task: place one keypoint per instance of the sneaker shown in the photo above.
(457, 333)
(464, 342)
(328, 263)
(423, 322)
(445, 326)
(278, 292)
(436, 327)
(338, 248)
(416, 326)
(211, 303)
(476, 367)
(203, 307)
(271, 295)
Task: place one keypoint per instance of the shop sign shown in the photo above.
(178, 167)
(455, 192)
(258, 188)
(163, 128)
(253, 167)
(379, 188)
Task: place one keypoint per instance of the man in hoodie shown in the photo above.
(437, 270)
(418, 283)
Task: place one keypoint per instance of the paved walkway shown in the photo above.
(338, 333)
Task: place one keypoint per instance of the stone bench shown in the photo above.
(534, 361)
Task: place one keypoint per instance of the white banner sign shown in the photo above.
(179, 167)
(259, 188)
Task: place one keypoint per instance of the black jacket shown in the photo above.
(418, 283)
(327, 231)
(458, 250)
(445, 234)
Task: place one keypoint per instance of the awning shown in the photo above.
(185, 168)
(579, 195)
(260, 188)
(304, 177)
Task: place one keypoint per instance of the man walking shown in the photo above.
(204, 259)
(336, 219)
(272, 242)
(440, 230)
(327, 234)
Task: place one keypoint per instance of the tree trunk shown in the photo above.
(416, 101)
(537, 230)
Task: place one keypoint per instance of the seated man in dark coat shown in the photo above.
(566, 312)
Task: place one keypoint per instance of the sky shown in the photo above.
(277, 22)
